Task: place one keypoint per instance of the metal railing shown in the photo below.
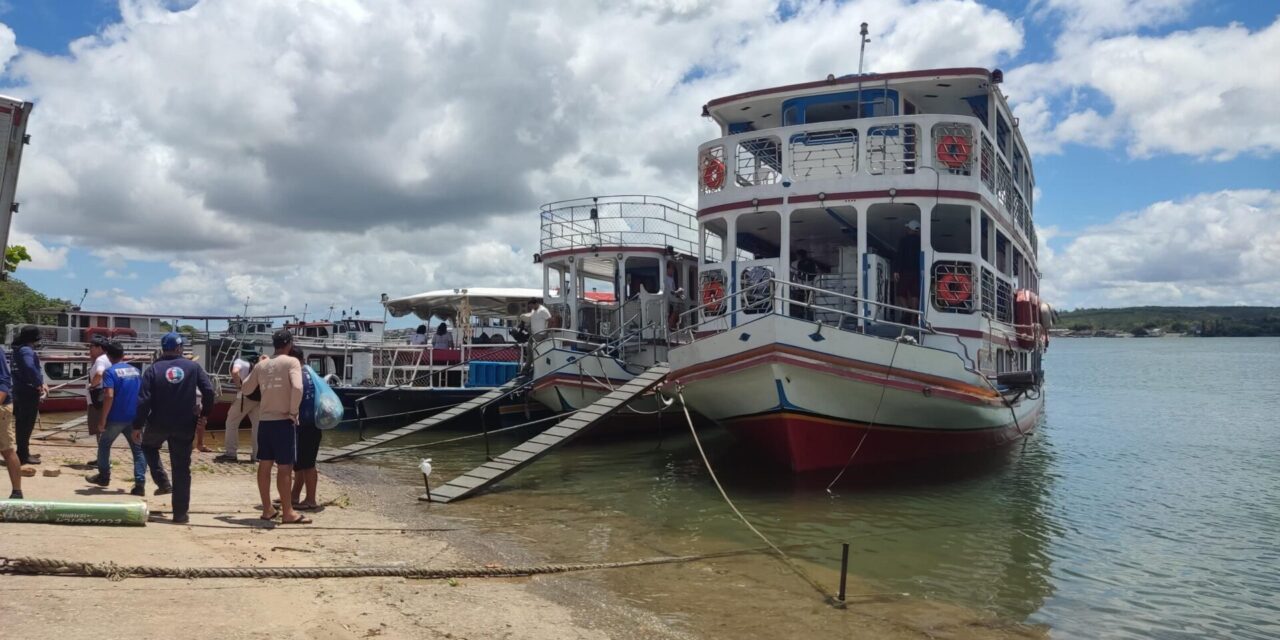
(619, 221)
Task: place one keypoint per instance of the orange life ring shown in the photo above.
(712, 297)
(954, 288)
(953, 151)
(712, 173)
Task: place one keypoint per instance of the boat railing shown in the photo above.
(855, 155)
(431, 367)
(619, 222)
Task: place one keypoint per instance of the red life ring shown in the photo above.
(953, 151)
(954, 288)
(712, 297)
(712, 173)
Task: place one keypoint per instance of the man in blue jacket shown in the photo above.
(167, 409)
(8, 437)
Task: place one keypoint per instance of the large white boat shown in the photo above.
(867, 280)
(615, 270)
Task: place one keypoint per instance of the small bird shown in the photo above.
(425, 466)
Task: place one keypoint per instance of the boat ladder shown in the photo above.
(571, 427)
(492, 395)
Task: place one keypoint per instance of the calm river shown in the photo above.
(1146, 505)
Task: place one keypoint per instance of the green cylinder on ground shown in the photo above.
(133, 514)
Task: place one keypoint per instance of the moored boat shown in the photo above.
(868, 277)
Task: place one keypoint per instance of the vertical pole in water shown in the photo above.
(484, 425)
(844, 570)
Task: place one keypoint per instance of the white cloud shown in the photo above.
(1213, 248)
(1109, 16)
(297, 151)
(8, 45)
(43, 257)
(1205, 93)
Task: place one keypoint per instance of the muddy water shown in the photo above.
(1145, 506)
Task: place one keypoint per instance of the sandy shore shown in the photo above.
(365, 522)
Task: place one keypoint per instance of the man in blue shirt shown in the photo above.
(120, 384)
(8, 438)
(167, 408)
(28, 389)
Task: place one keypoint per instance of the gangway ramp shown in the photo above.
(571, 427)
(492, 395)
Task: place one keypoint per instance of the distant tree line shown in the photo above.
(1199, 321)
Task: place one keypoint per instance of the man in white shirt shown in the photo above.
(539, 318)
(98, 353)
(244, 406)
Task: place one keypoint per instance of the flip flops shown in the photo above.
(301, 519)
(274, 514)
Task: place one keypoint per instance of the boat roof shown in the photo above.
(852, 79)
(444, 303)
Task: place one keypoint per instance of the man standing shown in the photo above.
(280, 379)
(167, 408)
(245, 405)
(120, 386)
(7, 436)
(99, 366)
(28, 389)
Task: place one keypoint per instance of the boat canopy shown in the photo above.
(478, 301)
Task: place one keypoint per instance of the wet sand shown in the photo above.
(371, 519)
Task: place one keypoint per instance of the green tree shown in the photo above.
(13, 256)
(17, 301)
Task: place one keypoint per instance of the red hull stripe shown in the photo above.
(809, 443)
(773, 352)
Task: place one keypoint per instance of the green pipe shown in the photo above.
(133, 514)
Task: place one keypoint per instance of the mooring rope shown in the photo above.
(776, 549)
(115, 572)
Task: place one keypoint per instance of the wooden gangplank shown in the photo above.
(329, 455)
(78, 421)
(524, 454)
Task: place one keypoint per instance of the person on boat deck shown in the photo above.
(804, 270)
(167, 415)
(443, 339)
(28, 389)
(419, 337)
(539, 318)
(304, 470)
(483, 338)
(906, 271)
(244, 405)
(93, 412)
(8, 438)
(280, 378)
(120, 385)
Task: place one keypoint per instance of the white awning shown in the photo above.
(483, 301)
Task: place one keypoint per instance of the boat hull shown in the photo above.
(860, 400)
(567, 380)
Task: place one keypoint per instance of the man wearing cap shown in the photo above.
(98, 354)
(167, 409)
(244, 406)
(280, 379)
(120, 386)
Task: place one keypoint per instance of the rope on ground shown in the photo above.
(780, 553)
(116, 572)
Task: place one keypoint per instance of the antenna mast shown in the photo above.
(862, 50)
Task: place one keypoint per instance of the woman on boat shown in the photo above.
(28, 389)
(420, 336)
(443, 339)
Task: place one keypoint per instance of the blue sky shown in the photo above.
(1088, 181)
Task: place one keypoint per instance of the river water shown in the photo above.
(1147, 504)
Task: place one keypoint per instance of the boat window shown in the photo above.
(122, 323)
(845, 105)
(1002, 134)
(713, 235)
(890, 236)
(1003, 253)
(759, 161)
(823, 253)
(950, 229)
(759, 234)
(985, 238)
(64, 370)
(317, 363)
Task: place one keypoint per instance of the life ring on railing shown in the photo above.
(712, 298)
(954, 288)
(953, 151)
(712, 173)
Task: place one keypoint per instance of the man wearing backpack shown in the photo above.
(244, 406)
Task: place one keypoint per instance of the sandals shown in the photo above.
(274, 514)
(301, 519)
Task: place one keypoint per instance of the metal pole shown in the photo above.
(844, 570)
(862, 51)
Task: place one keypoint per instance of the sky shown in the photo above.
(197, 156)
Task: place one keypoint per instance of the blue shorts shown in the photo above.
(278, 441)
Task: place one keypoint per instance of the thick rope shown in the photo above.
(116, 572)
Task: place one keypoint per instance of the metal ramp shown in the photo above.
(329, 455)
(525, 453)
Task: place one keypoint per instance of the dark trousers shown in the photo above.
(180, 460)
(26, 408)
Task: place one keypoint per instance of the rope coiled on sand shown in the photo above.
(116, 572)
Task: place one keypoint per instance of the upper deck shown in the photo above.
(617, 223)
(940, 132)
